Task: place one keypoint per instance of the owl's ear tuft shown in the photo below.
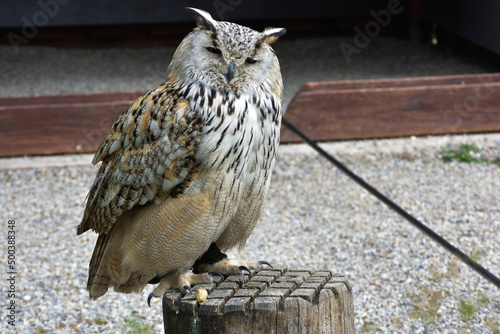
(203, 19)
(271, 35)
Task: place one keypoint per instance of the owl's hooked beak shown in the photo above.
(230, 72)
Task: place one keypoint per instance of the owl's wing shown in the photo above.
(147, 155)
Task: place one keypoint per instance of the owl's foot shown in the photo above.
(215, 261)
(259, 263)
(182, 282)
(232, 267)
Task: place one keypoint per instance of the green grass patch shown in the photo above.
(100, 321)
(426, 303)
(465, 153)
(467, 309)
(135, 325)
(429, 297)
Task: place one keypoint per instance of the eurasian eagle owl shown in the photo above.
(186, 168)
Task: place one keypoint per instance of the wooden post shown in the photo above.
(278, 300)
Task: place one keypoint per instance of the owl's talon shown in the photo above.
(265, 262)
(245, 269)
(187, 288)
(214, 273)
(149, 299)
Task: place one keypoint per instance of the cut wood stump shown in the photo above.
(277, 300)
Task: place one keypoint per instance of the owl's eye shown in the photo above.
(251, 60)
(213, 50)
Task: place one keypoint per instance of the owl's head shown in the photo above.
(226, 55)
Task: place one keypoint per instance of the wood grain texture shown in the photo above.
(58, 124)
(396, 107)
(323, 111)
(278, 300)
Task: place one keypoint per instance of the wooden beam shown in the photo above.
(58, 124)
(324, 111)
(396, 107)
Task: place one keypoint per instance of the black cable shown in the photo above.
(434, 236)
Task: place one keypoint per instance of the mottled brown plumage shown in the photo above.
(187, 166)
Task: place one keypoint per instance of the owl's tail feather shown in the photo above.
(99, 280)
(106, 270)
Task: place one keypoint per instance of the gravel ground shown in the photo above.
(315, 216)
